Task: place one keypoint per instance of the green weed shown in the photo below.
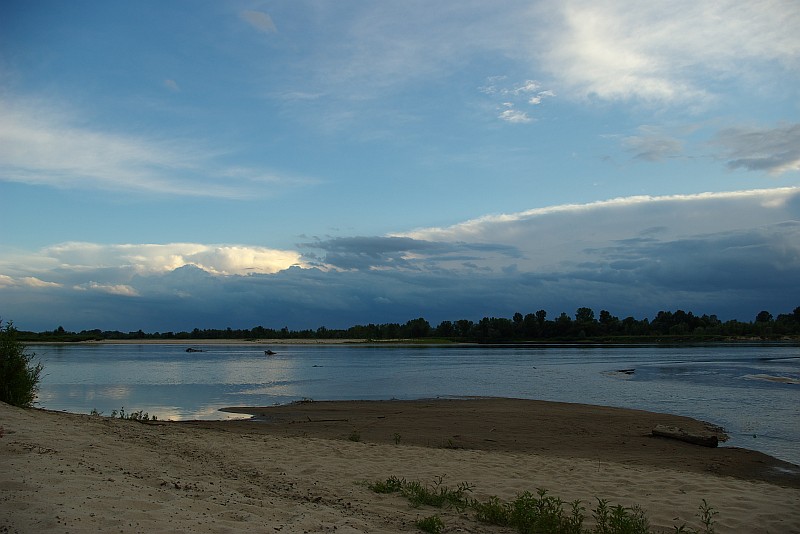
(532, 513)
(706, 514)
(437, 494)
(140, 416)
(432, 524)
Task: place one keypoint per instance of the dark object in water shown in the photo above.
(673, 432)
(269, 352)
(191, 349)
(626, 371)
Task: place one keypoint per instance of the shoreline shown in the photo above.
(786, 340)
(195, 342)
(81, 473)
(566, 430)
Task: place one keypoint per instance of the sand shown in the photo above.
(297, 471)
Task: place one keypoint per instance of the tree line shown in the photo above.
(583, 326)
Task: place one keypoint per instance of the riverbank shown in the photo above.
(301, 468)
(200, 342)
(599, 341)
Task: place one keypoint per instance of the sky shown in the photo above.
(166, 166)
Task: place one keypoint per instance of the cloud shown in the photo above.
(259, 20)
(158, 258)
(25, 281)
(775, 150)
(41, 143)
(551, 238)
(665, 52)
(112, 289)
(172, 85)
(732, 254)
(514, 116)
(525, 93)
(652, 145)
(372, 253)
(661, 53)
(32, 281)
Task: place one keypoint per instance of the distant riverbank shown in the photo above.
(662, 340)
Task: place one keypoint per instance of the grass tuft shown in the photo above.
(531, 513)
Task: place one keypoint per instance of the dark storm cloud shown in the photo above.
(399, 252)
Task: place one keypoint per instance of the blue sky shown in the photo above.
(167, 166)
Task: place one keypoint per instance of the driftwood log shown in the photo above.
(673, 432)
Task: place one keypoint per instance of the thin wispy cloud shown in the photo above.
(650, 144)
(172, 85)
(259, 20)
(42, 144)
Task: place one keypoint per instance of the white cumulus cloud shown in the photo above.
(159, 258)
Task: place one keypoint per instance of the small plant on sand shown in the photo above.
(140, 416)
(397, 438)
(355, 435)
(19, 379)
(437, 494)
(619, 520)
(432, 524)
(535, 513)
(390, 485)
(706, 514)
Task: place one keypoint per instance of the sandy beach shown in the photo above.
(299, 468)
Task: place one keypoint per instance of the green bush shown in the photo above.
(19, 379)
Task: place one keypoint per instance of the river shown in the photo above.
(751, 390)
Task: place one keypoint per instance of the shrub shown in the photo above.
(19, 380)
(432, 524)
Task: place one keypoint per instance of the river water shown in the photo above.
(751, 390)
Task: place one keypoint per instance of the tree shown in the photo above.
(19, 380)
(417, 328)
(584, 315)
(445, 329)
(763, 317)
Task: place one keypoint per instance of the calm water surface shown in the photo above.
(753, 391)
